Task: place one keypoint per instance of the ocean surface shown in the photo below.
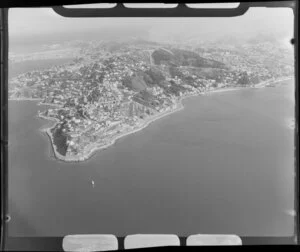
(224, 164)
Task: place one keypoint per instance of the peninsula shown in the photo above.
(105, 94)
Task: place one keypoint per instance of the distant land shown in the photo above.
(31, 65)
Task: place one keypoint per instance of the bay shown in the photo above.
(224, 165)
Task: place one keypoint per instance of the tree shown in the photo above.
(155, 75)
(127, 82)
(244, 79)
(148, 80)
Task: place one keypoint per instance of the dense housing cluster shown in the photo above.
(112, 89)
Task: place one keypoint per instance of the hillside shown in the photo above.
(179, 57)
(136, 82)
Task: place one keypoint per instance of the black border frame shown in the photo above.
(4, 119)
(180, 11)
(55, 243)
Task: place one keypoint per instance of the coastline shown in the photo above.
(47, 131)
(268, 82)
(96, 146)
(56, 154)
(25, 99)
(90, 151)
(49, 104)
(221, 90)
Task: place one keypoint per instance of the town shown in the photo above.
(113, 89)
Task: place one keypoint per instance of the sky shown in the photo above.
(32, 24)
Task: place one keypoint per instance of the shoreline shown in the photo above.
(90, 151)
(47, 132)
(56, 153)
(221, 90)
(269, 82)
(25, 99)
(96, 146)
